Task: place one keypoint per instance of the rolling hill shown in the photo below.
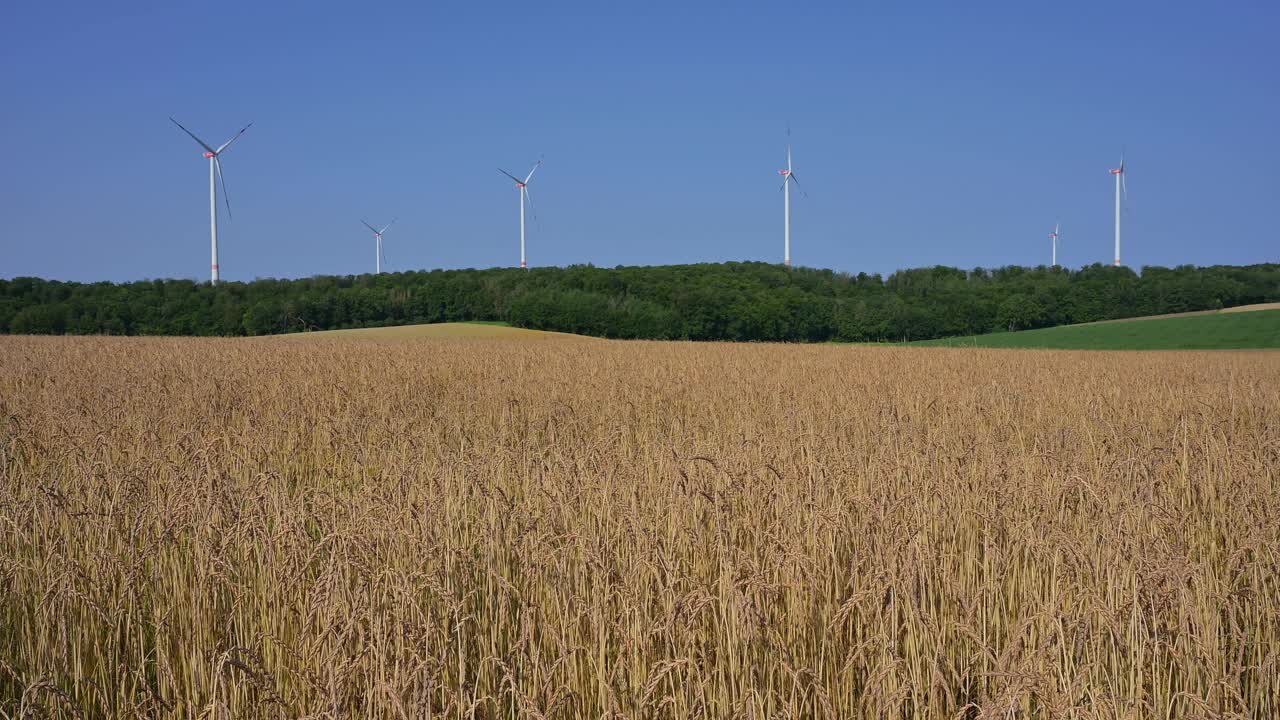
(469, 330)
(1216, 330)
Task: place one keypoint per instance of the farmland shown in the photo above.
(496, 528)
(438, 331)
(1220, 330)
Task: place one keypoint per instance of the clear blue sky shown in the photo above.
(925, 133)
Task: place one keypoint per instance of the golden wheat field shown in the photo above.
(472, 528)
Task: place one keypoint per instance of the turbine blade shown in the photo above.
(532, 210)
(788, 157)
(226, 198)
(227, 144)
(513, 177)
(529, 177)
(384, 227)
(203, 144)
(796, 180)
(374, 229)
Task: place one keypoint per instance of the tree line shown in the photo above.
(747, 301)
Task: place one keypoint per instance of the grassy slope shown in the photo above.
(480, 330)
(1218, 331)
(1236, 309)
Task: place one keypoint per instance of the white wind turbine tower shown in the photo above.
(788, 177)
(522, 186)
(377, 236)
(1053, 237)
(1120, 187)
(215, 165)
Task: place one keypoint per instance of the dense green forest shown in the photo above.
(729, 301)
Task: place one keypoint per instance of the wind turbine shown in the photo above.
(1120, 187)
(377, 236)
(522, 186)
(215, 164)
(788, 177)
(1053, 237)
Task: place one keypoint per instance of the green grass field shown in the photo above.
(1219, 331)
(473, 330)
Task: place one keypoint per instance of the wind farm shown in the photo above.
(524, 198)
(690, 438)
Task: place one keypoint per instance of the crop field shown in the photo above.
(1215, 330)
(453, 527)
(438, 331)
